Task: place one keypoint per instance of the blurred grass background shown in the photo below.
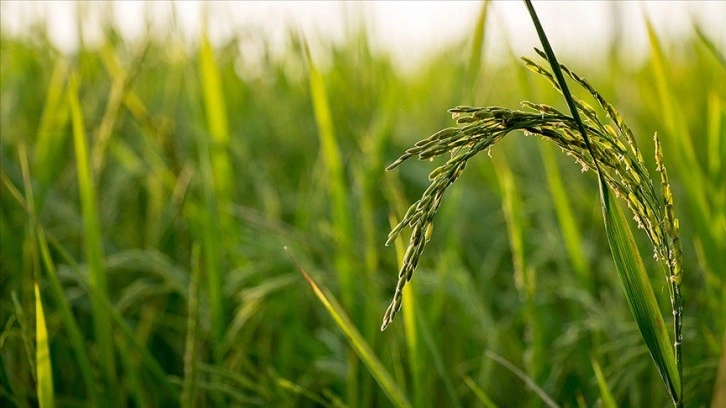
(149, 187)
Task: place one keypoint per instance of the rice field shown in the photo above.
(177, 229)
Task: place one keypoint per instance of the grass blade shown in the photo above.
(479, 392)
(605, 394)
(330, 152)
(93, 240)
(356, 340)
(49, 147)
(216, 168)
(42, 356)
(640, 295)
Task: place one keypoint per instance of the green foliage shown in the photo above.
(158, 248)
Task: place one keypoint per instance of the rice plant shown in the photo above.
(606, 145)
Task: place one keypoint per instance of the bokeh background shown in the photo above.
(157, 158)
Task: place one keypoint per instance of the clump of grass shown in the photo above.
(611, 149)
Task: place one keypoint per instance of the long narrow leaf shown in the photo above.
(42, 356)
(93, 238)
(640, 295)
(356, 340)
(605, 394)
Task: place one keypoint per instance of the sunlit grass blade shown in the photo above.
(42, 356)
(217, 189)
(640, 295)
(479, 392)
(216, 113)
(356, 340)
(342, 231)
(52, 135)
(93, 239)
(606, 396)
(338, 192)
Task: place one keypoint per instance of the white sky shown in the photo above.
(410, 30)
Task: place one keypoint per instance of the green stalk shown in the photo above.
(216, 170)
(356, 341)
(93, 242)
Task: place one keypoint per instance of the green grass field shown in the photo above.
(149, 190)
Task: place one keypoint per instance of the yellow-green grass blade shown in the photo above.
(48, 148)
(357, 342)
(480, 394)
(216, 113)
(639, 293)
(92, 239)
(570, 231)
(606, 396)
(217, 177)
(344, 258)
(42, 356)
(338, 192)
